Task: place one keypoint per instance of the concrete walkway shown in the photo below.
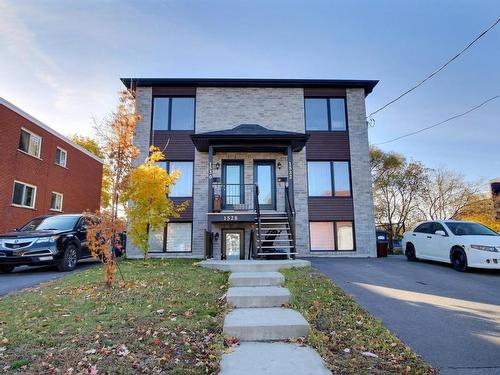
(259, 322)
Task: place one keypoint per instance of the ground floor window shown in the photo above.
(174, 238)
(24, 195)
(179, 237)
(331, 236)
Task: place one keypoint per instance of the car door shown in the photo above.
(437, 247)
(419, 239)
(81, 234)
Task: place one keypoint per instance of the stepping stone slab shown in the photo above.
(258, 296)
(256, 358)
(265, 324)
(256, 279)
(254, 265)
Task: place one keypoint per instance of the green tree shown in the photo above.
(397, 185)
(91, 145)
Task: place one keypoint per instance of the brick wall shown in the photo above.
(79, 182)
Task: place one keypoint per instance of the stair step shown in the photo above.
(277, 253)
(275, 240)
(277, 358)
(272, 228)
(261, 324)
(278, 246)
(256, 279)
(258, 296)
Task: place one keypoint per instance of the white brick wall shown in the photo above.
(364, 218)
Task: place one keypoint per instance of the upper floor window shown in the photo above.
(30, 143)
(24, 195)
(173, 113)
(183, 186)
(61, 157)
(325, 114)
(328, 178)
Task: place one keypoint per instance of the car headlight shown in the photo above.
(47, 240)
(493, 249)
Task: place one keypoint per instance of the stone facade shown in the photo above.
(364, 216)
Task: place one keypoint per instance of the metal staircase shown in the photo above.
(274, 235)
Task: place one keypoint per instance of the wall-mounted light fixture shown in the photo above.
(217, 165)
(216, 236)
(279, 165)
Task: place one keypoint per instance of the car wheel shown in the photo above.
(410, 252)
(7, 268)
(69, 260)
(459, 260)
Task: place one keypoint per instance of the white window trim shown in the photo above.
(39, 148)
(62, 200)
(65, 158)
(22, 205)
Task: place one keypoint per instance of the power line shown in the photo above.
(439, 123)
(438, 70)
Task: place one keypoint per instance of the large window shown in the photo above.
(24, 195)
(61, 157)
(325, 114)
(30, 143)
(328, 178)
(56, 201)
(178, 238)
(172, 113)
(184, 185)
(331, 236)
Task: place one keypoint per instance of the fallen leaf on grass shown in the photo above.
(369, 354)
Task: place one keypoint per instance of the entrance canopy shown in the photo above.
(251, 138)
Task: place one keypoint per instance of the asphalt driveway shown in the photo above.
(451, 319)
(27, 277)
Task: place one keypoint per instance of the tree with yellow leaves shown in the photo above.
(147, 192)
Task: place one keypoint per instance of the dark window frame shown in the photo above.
(329, 114)
(335, 237)
(192, 176)
(169, 117)
(165, 231)
(332, 178)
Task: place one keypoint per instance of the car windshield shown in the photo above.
(470, 229)
(51, 223)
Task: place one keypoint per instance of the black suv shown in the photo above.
(45, 240)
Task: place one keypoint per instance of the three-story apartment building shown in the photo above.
(43, 172)
(270, 167)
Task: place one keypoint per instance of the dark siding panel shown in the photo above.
(330, 209)
(321, 92)
(328, 146)
(180, 146)
(187, 91)
(187, 214)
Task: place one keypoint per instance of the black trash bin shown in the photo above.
(382, 243)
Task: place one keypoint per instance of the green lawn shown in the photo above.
(166, 317)
(341, 330)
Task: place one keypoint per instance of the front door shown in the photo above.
(265, 179)
(233, 246)
(233, 188)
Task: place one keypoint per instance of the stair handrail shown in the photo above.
(290, 213)
(257, 213)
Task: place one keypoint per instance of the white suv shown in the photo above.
(461, 243)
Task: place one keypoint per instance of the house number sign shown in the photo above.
(230, 218)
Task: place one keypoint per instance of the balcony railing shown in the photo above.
(233, 197)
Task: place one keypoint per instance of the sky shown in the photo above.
(61, 61)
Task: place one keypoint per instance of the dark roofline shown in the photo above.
(368, 85)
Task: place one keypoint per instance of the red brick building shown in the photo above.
(42, 172)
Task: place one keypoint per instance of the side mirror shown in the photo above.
(440, 233)
(83, 228)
